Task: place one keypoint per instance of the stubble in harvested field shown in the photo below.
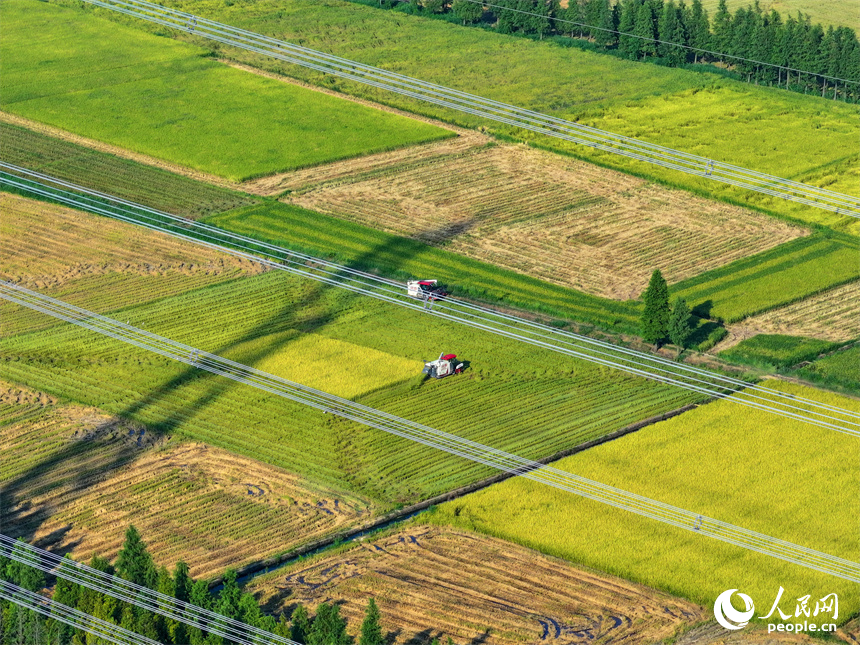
(831, 315)
(559, 220)
(206, 506)
(95, 262)
(434, 581)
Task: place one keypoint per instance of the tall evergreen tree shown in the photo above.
(628, 44)
(134, 563)
(329, 627)
(604, 24)
(679, 324)
(182, 582)
(698, 29)
(541, 23)
(201, 598)
(301, 624)
(655, 317)
(371, 629)
(721, 39)
(249, 610)
(671, 31)
(644, 28)
(506, 21)
(467, 10)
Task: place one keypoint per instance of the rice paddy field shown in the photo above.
(70, 69)
(784, 275)
(97, 263)
(559, 220)
(110, 174)
(777, 351)
(433, 581)
(844, 12)
(63, 465)
(779, 477)
(840, 369)
(404, 258)
(695, 112)
(829, 315)
(532, 402)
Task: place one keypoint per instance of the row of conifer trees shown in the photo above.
(759, 46)
(22, 626)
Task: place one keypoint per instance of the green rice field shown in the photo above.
(696, 112)
(780, 276)
(70, 69)
(530, 401)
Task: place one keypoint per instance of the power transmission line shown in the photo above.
(497, 111)
(425, 435)
(138, 595)
(74, 618)
(633, 362)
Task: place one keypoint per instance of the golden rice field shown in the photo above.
(95, 262)
(777, 476)
(75, 477)
(831, 315)
(549, 217)
(329, 364)
(432, 581)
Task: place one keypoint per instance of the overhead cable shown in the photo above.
(438, 439)
(702, 381)
(486, 108)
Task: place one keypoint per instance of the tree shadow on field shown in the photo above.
(19, 519)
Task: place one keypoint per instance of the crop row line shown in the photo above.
(475, 316)
(486, 108)
(431, 437)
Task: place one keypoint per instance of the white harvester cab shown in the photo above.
(425, 289)
(443, 366)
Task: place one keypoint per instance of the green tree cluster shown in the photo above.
(21, 626)
(760, 46)
(660, 321)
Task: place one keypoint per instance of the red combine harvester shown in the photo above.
(426, 289)
(443, 366)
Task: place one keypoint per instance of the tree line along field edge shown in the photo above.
(748, 41)
(731, 112)
(176, 103)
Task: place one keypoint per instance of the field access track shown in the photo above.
(501, 112)
(473, 315)
(452, 444)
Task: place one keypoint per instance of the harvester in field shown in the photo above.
(427, 290)
(443, 366)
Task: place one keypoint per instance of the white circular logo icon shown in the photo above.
(726, 615)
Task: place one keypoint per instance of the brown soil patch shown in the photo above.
(95, 262)
(75, 478)
(11, 394)
(551, 217)
(831, 315)
(116, 150)
(438, 581)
